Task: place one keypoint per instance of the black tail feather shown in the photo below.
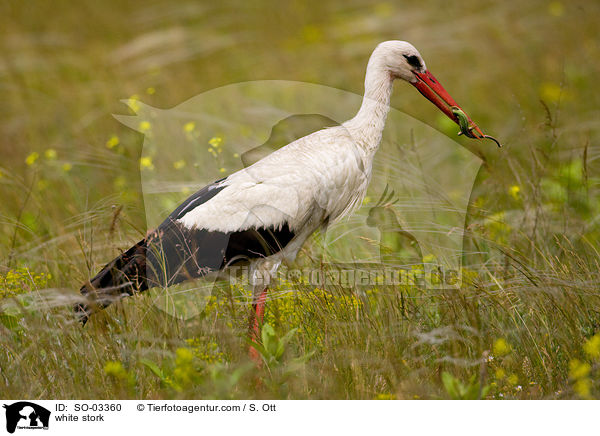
(172, 254)
(123, 276)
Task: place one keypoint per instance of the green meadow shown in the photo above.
(524, 322)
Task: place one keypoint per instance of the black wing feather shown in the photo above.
(173, 253)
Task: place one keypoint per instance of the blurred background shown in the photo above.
(70, 191)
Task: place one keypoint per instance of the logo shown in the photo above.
(26, 415)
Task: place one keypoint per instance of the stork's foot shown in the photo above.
(256, 321)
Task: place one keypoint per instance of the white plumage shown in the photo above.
(319, 174)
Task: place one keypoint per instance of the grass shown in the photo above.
(524, 324)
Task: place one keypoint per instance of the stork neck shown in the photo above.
(367, 126)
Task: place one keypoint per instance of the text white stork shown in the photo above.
(263, 214)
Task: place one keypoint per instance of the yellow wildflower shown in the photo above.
(115, 369)
(592, 346)
(513, 379)
(514, 191)
(578, 369)
(112, 142)
(550, 92)
(50, 154)
(428, 258)
(500, 373)
(66, 167)
(221, 170)
(145, 126)
(501, 347)
(215, 141)
(583, 388)
(184, 370)
(183, 356)
(134, 103)
(189, 127)
(150, 90)
(146, 163)
(179, 164)
(32, 158)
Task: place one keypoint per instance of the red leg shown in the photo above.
(258, 312)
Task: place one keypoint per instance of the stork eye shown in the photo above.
(413, 61)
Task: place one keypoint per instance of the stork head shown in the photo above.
(403, 61)
(399, 58)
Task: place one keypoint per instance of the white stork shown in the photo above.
(263, 214)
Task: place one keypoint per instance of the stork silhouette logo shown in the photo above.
(25, 415)
(414, 212)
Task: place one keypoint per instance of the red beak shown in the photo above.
(435, 93)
